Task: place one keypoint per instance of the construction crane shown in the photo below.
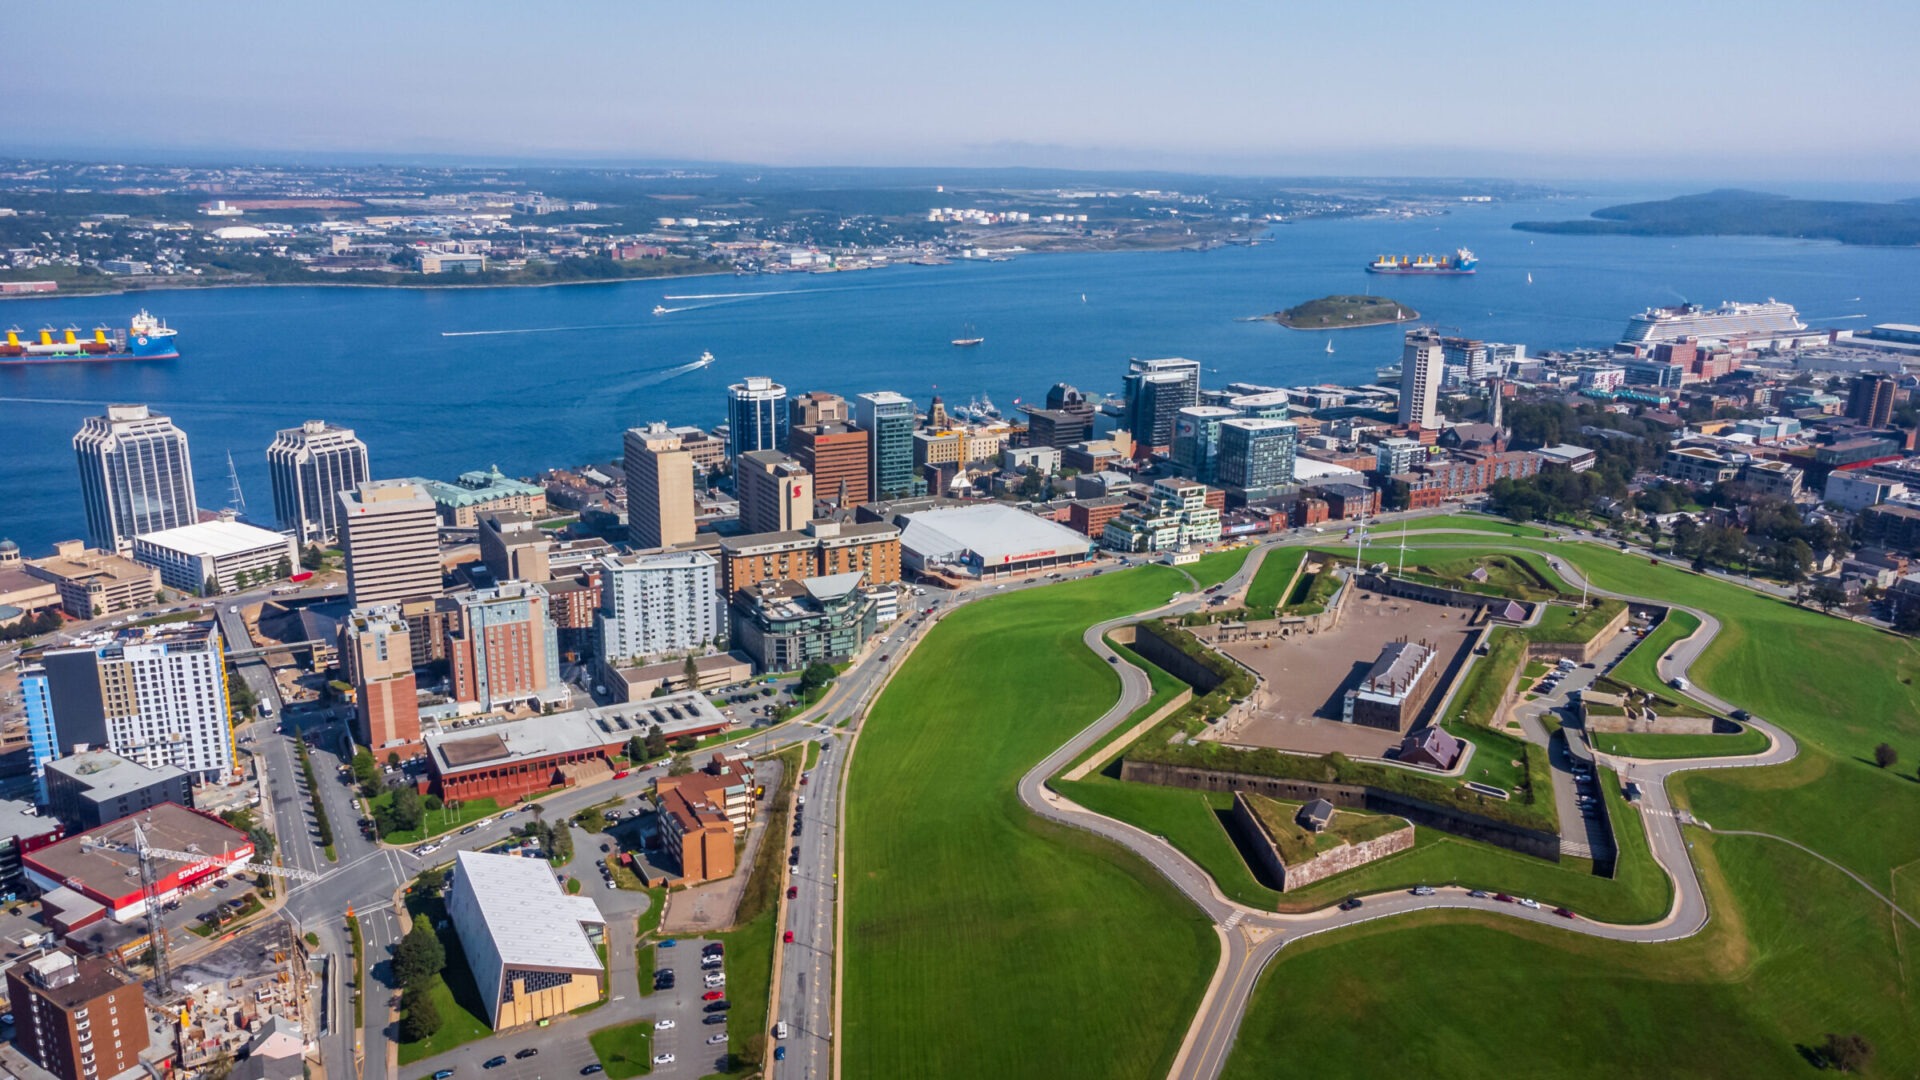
(145, 852)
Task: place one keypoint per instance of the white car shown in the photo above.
(716, 1040)
(667, 1025)
(1529, 902)
(483, 823)
(663, 1059)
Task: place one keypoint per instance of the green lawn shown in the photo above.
(1217, 566)
(626, 1050)
(1193, 821)
(1640, 667)
(980, 940)
(1474, 522)
(1269, 585)
(1801, 952)
(1627, 744)
(749, 977)
(1164, 689)
(463, 1016)
(437, 821)
(1567, 624)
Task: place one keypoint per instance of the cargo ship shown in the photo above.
(1460, 262)
(145, 338)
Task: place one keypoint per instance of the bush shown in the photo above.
(422, 1017)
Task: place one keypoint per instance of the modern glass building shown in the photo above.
(135, 475)
(1256, 456)
(43, 738)
(887, 418)
(756, 416)
(1196, 439)
(1156, 391)
(311, 465)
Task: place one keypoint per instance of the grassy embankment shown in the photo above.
(463, 1016)
(981, 940)
(1794, 949)
(624, 1050)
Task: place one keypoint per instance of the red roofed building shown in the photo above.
(111, 878)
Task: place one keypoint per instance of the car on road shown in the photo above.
(469, 829)
(442, 1074)
(669, 943)
(1113, 659)
(663, 1059)
(1503, 898)
(663, 1025)
(1479, 894)
(1423, 890)
(589, 1070)
(884, 657)
(788, 938)
(779, 1053)
(527, 1053)
(494, 1062)
(716, 1038)
(713, 995)
(793, 891)
(1563, 912)
(1350, 903)
(1529, 902)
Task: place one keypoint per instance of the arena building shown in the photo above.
(987, 540)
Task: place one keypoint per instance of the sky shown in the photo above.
(1758, 90)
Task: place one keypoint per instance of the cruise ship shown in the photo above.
(1730, 318)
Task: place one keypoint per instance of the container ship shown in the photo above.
(145, 338)
(1460, 262)
(1683, 321)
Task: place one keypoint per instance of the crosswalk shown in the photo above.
(1233, 920)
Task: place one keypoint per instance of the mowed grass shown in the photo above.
(1654, 747)
(1640, 667)
(625, 1050)
(1190, 820)
(1801, 952)
(1216, 567)
(982, 941)
(1270, 582)
(1471, 522)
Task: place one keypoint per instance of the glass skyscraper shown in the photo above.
(135, 475)
(887, 418)
(756, 416)
(311, 465)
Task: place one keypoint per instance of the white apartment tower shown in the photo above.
(158, 698)
(311, 465)
(135, 475)
(1422, 365)
(654, 604)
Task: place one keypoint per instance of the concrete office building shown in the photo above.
(136, 475)
(506, 649)
(93, 583)
(1422, 365)
(513, 547)
(218, 551)
(310, 466)
(1196, 439)
(78, 1017)
(1066, 419)
(376, 656)
(1256, 457)
(775, 491)
(1870, 399)
(1467, 354)
(659, 475)
(696, 834)
(156, 695)
(1156, 391)
(532, 948)
(888, 420)
(1395, 456)
(836, 453)
(653, 604)
(756, 416)
(392, 539)
(94, 787)
(816, 407)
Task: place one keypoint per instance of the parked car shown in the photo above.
(1479, 894)
(494, 1062)
(719, 1006)
(1563, 913)
(713, 995)
(1503, 898)
(779, 1053)
(788, 937)
(716, 1038)
(442, 1074)
(669, 943)
(665, 1024)
(663, 1059)
(719, 1018)
(527, 1053)
(589, 1070)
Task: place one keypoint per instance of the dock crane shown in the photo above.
(146, 853)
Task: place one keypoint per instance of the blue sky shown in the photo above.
(1688, 90)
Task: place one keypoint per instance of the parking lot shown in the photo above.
(685, 1004)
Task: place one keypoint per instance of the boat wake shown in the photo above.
(541, 330)
(736, 295)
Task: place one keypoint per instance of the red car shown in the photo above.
(793, 891)
(1503, 898)
(789, 938)
(713, 995)
(622, 774)
(1563, 913)
(803, 779)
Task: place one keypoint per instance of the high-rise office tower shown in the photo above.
(310, 465)
(135, 475)
(836, 455)
(391, 532)
(78, 1017)
(887, 418)
(505, 648)
(1870, 400)
(157, 696)
(1421, 364)
(1066, 419)
(659, 487)
(816, 407)
(1468, 354)
(660, 603)
(756, 416)
(1156, 391)
(776, 492)
(1196, 439)
(1256, 456)
(376, 655)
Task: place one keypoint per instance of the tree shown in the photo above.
(560, 844)
(403, 813)
(420, 955)
(691, 672)
(312, 558)
(1906, 618)
(393, 758)
(1828, 594)
(220, 1066)
(209, 587)
(637, 749)
(422, 1018)
(1885, 756)
(686, 744)
(283, 569)
(1846, 1053)
(815, 676)
(367, 772)
(680, 766)
(656, 742)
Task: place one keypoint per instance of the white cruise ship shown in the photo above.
(1730, 318)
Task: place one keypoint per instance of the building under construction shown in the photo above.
(1395, 688)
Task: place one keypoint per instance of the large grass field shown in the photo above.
(982, 941)
(1216, 567)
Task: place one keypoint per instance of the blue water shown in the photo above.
(259, 359)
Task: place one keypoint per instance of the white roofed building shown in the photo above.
(987, 540)
(531, 947)
(188, 556)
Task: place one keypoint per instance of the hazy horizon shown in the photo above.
(1644, 92)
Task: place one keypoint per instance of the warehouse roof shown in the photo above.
(687, 712)
(991, 531)
(117, 873)
(532, 923)
(107, 774)
(213, 539)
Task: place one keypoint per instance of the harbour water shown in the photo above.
(441, 381)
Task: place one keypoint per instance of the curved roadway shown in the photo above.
(1250, 937)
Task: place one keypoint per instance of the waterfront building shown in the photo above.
(1397, 455)
(1066, 419)
(1156, 391)
(136, 475)
(1421, 367)
(156, 695)
(79, 1017)
(505, 649)
(888, 420)
(376, 657)
(659, 473)
(836, 453)
(653, 604)
(310, 466)
(1256, 457)
(390, 530)
(756, 416)
(93, 583)
(775, 491)
(216, 551)
(479, 491)
(1467, 354)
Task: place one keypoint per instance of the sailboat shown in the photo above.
(1329, 346)
(968, 339)
(1529, 277)
(1083, 298)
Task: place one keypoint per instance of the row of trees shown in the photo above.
(419, 959)
(323, 828)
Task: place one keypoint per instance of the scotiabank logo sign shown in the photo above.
(1004, 559)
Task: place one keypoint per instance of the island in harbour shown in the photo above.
(1343, 313)
(1750, 213)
